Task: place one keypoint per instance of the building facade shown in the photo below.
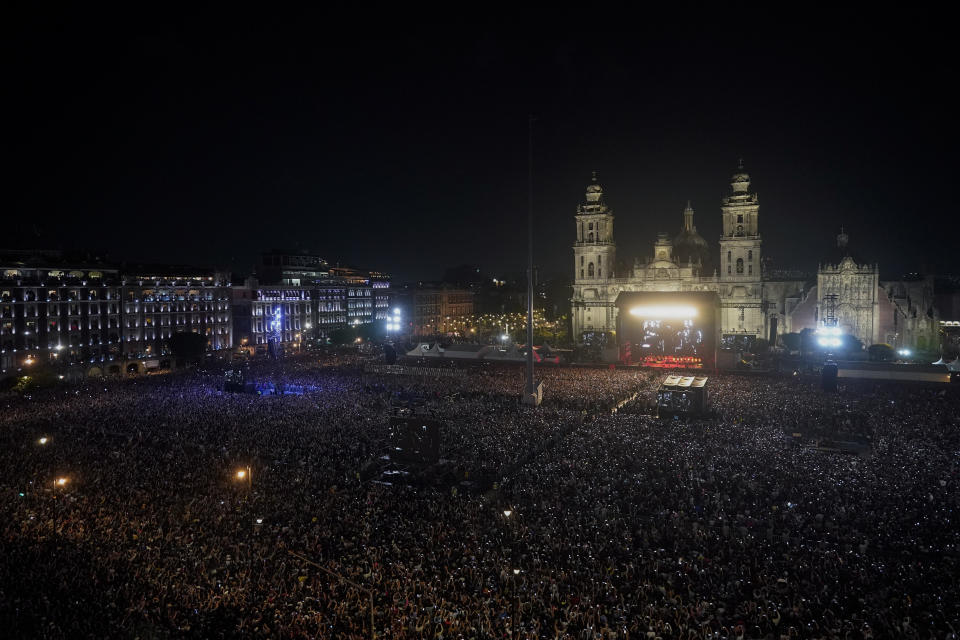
(289, 311)
(433, 311)
(58, 310)
(160, 301)
(315, 297)
(755, 303)
(66, 312)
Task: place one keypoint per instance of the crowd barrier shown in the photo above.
(404, 370)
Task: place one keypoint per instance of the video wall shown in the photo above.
(668, 330)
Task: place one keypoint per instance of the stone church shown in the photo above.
(755, 303)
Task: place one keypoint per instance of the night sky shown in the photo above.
(405, 148)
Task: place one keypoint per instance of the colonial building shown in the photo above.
(332, 296)
(159, 301)
(307, 297)
(86, 314)
(437, 310)
(289, 309)
(57, 309)
(755, 303)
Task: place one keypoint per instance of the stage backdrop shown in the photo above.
(669, 329)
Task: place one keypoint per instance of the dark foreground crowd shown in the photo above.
(627, 526)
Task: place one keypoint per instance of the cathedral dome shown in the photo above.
(689, 246)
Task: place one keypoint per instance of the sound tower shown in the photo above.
(414, 438)
(828, 377)
(389, 354)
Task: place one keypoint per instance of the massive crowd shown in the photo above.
(626, 526)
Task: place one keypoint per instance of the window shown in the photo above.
(739, 217)
(750, 270)
(581, 261)
(599, 258)
(590, 270)
(729, 270)
(590, 237)
(739, 265)
(739, 229)
(729, 255)
(581, 273)
(750, 255)
(590, 226)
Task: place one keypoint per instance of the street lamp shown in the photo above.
(43, 440)
(244, 474)
(59, 483)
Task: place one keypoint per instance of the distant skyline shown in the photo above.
(405, 150)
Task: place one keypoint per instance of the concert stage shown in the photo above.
(676, 330)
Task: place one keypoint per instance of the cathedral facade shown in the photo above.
(754, 303)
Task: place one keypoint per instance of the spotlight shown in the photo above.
(664, 312)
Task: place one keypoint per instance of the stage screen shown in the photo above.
(670, 330)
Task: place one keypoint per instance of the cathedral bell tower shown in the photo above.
(740, 241)
(594, 251)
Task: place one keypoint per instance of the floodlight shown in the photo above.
(664, 312)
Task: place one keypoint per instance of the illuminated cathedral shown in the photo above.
(754, 303)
